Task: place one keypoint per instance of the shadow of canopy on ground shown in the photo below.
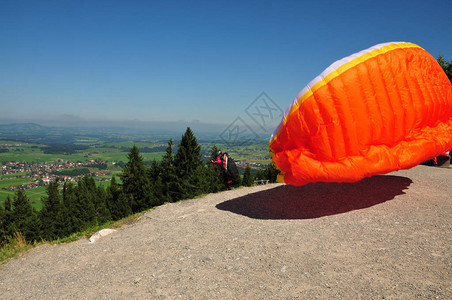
(316, 200)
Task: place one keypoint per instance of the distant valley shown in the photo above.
(32, 154)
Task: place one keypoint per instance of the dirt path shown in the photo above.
(384, 237)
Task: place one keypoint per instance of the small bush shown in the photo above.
(13, 245)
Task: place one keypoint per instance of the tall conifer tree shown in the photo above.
(103, 214)
(446, 65)
(84, 205)
(71, 208)
(248, 179)
(53, 223)
(24, 217)
(8, 204)
(188, 155)
(6, 221)
(172, 188)
(3, 225)
(190, 168)
(136, 184)
(158, 187)
(271, 173)
(117, 201)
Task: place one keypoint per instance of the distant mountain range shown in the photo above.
(31, 132)
(36, 133)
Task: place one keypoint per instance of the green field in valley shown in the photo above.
(111, 152)
(34, 195)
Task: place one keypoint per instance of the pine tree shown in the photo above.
(103, 214)
(172, 188)
(154, 171)
(157, 185)
(117, 201)
(446, 65)
(190, 169)
(260, 174)
(53, 223)
(3, 225)
(71, 209)
(6, 220)
(271, 173)
(24, 217)
(84, 205)
(8, 204)
(214, 178)
(136, 184)
(248, 179)
(168, 159)
(188, 156)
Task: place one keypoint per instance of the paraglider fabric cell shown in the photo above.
(385, 108)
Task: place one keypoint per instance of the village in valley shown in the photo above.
(42, 173)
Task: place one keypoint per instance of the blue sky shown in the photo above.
(74, 61)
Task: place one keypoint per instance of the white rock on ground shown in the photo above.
(101, 233)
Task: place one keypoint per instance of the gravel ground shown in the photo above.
(385, 237)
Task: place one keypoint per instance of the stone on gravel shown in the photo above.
(101, 233)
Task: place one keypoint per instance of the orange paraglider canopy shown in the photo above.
(385, 108)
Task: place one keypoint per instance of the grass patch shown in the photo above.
(14, 181)
(13, 246)
(34, 195)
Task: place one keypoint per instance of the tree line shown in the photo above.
(179, 175)
(66, 149)
(446, 65)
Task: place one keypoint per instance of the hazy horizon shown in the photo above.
(77, 122)
(232, 134)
